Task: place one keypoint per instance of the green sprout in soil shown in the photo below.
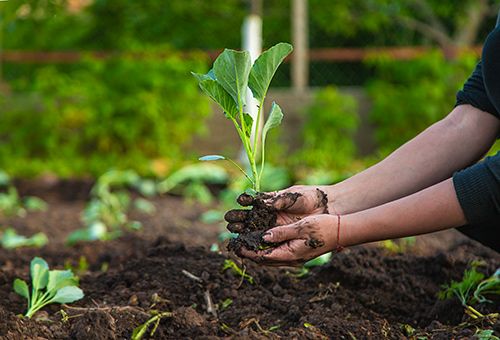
(227, 83)
(223, 305)
(231, 265)
(10, 239)
(47, 286)
(472, 290)
(13, 205)
(141, 330)
(105, 216)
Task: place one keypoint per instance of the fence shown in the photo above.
(340, 66)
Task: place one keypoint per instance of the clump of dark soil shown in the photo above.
(257, 221)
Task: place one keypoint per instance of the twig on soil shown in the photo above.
(191, 276)
(111, 308)
(211, 309)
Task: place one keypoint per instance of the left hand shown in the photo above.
(302, 241)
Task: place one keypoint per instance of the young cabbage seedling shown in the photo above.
(47, 286)
(227, 83)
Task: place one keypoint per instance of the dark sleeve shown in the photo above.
(474, 93)
(478, 191)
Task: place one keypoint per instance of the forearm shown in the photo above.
(450, 144)
(429, 210)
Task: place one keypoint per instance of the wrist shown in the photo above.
(337, 201)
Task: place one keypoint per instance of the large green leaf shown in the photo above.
(231, 69)
(265, 67)
(68, 294)
(39, 273)
(274, 120)
(59, 279)
(215, 91)
(21, 288)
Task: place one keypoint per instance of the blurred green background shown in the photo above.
(90, 85)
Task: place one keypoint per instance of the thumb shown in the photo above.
(282, 233)
(285, 200)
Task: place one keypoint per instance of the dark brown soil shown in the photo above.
(258, 220)
(364, 293)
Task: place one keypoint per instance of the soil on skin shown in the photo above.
(364, 293)
(259, 219)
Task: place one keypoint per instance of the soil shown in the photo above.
(364, 293)
(260, 218)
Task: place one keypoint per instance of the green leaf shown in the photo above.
(274, 120)
(248, 123)
(144, 206)
(59, 279)
(212, 158)
(39, 270)
(265, 67)
(231, 69)
(21, 288)
(215, 91)
(68, 294)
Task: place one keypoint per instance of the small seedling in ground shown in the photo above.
(10, 239)
(472, 289)
(47, 286)
(225, 304)
(13, 205)
(141, 330)
(227, 84)
(230, 264)
(105, 216)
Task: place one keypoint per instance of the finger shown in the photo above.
(236, 228)
(245, 200)
(283, 255)
(236, 215)
(282, 233)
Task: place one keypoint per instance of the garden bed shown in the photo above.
(365, 292)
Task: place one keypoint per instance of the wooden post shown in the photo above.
(300, 56)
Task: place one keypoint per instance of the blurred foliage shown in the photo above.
(408, 96)
(102, 110)
(328, 133)
(141, 113)
(105, 215)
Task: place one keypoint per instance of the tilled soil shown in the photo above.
(364, 293)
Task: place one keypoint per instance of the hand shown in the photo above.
(311, 200)
(302, 241)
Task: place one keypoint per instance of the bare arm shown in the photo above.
(453, 143)
(432, 209)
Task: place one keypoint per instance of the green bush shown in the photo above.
(328, 132)
(121, 112)
(408, 96)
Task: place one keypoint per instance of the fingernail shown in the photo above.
(268, 236)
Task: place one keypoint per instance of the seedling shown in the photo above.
(230, 264)
(227, 84)
(472, 289)
(13, 205)
(11, 239)
(105, 216)
(141, 330)
(47, 286)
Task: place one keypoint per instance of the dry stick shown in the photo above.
(211, 309)
(111, 308)
(191, 276)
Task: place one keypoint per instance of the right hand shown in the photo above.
(311, 200)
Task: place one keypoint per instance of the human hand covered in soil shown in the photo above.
(299, 242)
(291, 205)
